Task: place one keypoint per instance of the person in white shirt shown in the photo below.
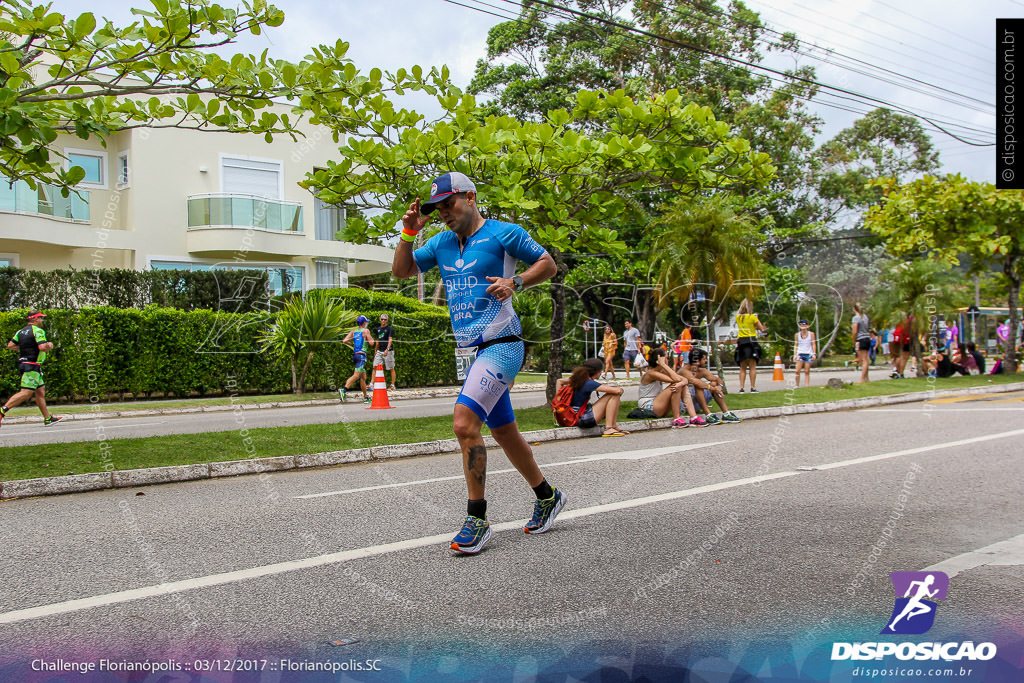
(630, 345)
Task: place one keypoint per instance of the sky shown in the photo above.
(946, 44)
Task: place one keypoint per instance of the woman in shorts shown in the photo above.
(805, 351)
(661, 390)
(605, 409)
(748, 351)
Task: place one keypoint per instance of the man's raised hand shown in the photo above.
(413, 220)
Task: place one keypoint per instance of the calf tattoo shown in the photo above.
(478, 463)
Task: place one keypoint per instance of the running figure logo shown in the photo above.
(913, 614)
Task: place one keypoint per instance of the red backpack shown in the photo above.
(561, 406)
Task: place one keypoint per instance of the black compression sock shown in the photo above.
(477, 508)
(543, 490)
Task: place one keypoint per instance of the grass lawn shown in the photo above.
(26, 462)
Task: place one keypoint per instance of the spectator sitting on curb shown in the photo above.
(939, 365)
(712, 388)
(660, 399)
(584, 383)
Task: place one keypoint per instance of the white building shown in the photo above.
(168, 198)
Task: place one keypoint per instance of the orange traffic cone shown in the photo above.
(380, 390)
(776, 374)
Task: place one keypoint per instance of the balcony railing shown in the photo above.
(45, 200)
(243, 211)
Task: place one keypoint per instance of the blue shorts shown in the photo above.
(707, 393)
(628, 355)
(804, 357)
(359, 360)
(485, 390)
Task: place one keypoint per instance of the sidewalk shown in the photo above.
(48, 486)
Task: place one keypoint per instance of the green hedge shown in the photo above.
(160, 351)
(220, 290)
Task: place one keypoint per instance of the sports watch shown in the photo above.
(517, 283)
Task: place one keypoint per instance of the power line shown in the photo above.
(790, 76)
(972, 77)
(830, 51)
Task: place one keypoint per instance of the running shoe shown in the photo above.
(698, 422)
(366, 399)
(754, 391)
(712, 419)
(474, 534)
(544, 513)
(680, 423)
(731, 417)
(741, 390)
(52, 420)
(391, 388)
(344, 394)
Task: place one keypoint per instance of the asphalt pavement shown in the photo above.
(701, 546)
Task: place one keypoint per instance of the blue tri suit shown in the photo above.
(478, 317)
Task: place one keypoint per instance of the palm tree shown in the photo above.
(917, 288)
(301, 325)
(706, 244)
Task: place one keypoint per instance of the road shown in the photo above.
(750, 547)
(31, 433)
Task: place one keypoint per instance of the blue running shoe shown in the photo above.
(544, 513)
(474, 534)
(712, 419)
(731, 417)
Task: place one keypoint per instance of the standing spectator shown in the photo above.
(682, 347)
(861, 340)
(32, 347)
(584, 383)
(360, 338)
(748, 351)
(805, 350)
(979, 360)
(884, 335)
(901, 347)
(631, 346)
(1003, 335)
(662, 390)
(874, 346)
(385, 353)
(610, 346)
(953, 334)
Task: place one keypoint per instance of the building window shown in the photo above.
(122, 170)
(326, 274)
(259, 177)
(93, 163)
(329, 219)
(280, 279)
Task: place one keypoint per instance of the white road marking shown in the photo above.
(932, 409)
(1004, 553)
(413, 543)
(623, 455)
(65, 430)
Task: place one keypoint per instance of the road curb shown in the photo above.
(78, 483)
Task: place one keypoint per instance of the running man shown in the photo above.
(477, 258)
(360, 338)
(31, 345)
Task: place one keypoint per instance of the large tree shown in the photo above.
(881, 144)
(562, 184)
(950, 217)
(708, 53)
(707, 248)
(78, 76)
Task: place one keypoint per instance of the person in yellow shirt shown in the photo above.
(611, 343)
(748, 351)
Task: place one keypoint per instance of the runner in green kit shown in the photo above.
(31, 345)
